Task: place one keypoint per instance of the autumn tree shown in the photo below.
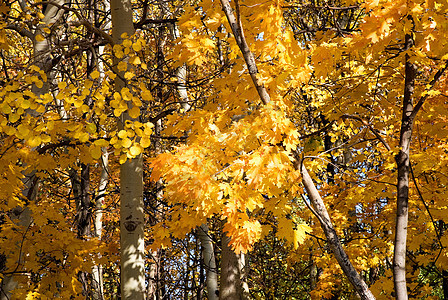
(351, 83)
(312, 129)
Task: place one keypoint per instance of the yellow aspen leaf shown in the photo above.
(148, 129)
(118, 112)
(114, 141)
(123, 158)
(39, 84)
(40, 109)
(129, 75)
(138, 131)
(95, 74)
(47, 30)
(126, 143)
(62, 85)
(96, 152)
(136, 101)
(14, 117)
(34, 141)
(135, 60)
(91, 128)
(117, 48)
(25, 104)
(9, 130)
(127, 43)
(146, 95)
(135, 150)
(23, 131)
(119, 54)
(45, 138)
(85, 108)
(122, 66)
(131, 133)
(117, 96)
(34, 68)
(122, 134)
(83, 137)
(126, 94)
(134, 112)
(6, 109)
(114, 103)
(101, 143)
(39, 38)
(137, 46)
(145, 142)
(78, 103)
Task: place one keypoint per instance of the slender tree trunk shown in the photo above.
(84, 218)
(208, 255)
(445, 284)
(84, 211)
(152, 276)
(97, 271)
(131, 184)
(198, 258)
(402, 160)
(313, 274)
(242, 266)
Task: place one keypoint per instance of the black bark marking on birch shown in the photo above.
(131, 225)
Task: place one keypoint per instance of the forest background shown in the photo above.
(162, 149)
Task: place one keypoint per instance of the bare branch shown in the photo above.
(432, 83)
(20, 30)
(373, 130)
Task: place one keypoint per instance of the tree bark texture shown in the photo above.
(97, 271)
(84, 210)
(230, 281)
(402, 159)
(208, 255)
(132, 246)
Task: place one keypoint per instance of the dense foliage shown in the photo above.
(230, 116)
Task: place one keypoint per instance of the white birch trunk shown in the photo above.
(97, 271)
(131, 184)
(208, 255)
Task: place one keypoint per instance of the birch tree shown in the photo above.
(131, 182)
